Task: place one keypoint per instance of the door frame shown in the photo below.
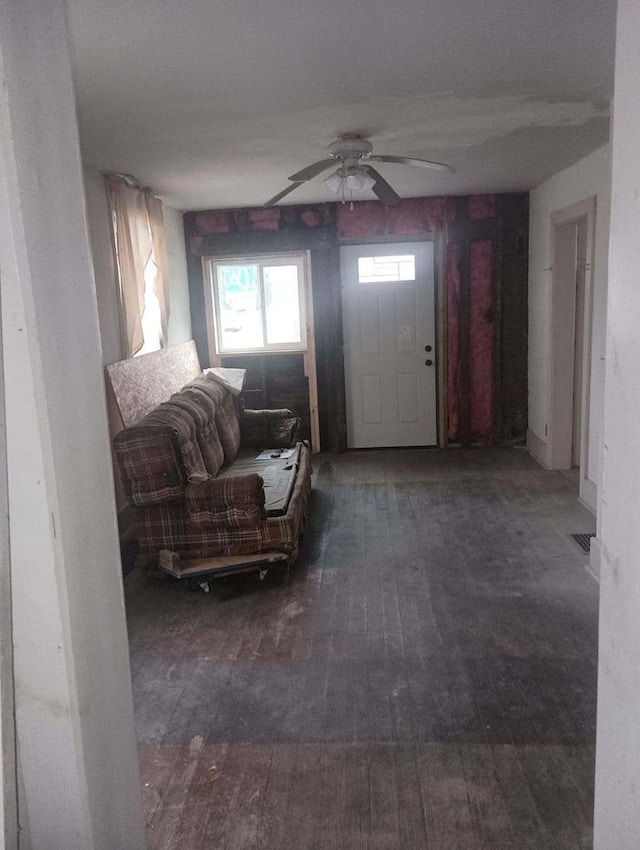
(562, 306)
(440, 344)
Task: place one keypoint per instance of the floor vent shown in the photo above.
(583, 541)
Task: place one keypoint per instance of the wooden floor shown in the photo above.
(425, 677)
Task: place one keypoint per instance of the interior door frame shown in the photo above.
(437, 240)
(9, 830)
(561, 316)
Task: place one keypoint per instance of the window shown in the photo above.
(257, 303)
(386, 269)
(151, 318)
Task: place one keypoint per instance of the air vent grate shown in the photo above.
(583, 541)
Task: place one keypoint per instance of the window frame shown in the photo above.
(210, 265)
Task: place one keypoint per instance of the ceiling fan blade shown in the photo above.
(407, 160)
(312, 171)
(381, 189)
(273, 201)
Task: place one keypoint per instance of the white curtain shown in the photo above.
(159, 256)
(138, 231)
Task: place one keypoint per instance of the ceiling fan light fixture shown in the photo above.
(351, 179)
(334, 182)
(360, 181)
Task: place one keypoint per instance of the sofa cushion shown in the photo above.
(150, 466)
(277, 474)
(169, 526)
(227, 424)
(159, 455)
(228, 428)
(182, 422)
(231, 502)
(203, 411)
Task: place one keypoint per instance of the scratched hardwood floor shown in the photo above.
(425, 677)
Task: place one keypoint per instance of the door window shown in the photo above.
(386, 269)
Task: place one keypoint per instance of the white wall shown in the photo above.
(79, 787)
(617, 797)
(103, 265)
(8, 785)
(590, 177)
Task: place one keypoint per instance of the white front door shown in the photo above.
(388, 305)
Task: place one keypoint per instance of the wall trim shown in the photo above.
(559, 440)
(537, 448)
(589, 494)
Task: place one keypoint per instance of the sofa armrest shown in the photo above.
(260, 416)
(277, 429)
(233, 501)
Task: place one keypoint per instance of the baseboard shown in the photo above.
(589, 494)
(537, 448)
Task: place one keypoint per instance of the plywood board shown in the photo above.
(142, 383)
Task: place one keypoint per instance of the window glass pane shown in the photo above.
(282, 306)
(151, 317)
(386, 269)
(239, 301)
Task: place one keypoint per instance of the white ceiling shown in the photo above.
(213, 103)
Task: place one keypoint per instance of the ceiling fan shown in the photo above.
(355, 173)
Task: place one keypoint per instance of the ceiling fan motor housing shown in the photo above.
(350, 147)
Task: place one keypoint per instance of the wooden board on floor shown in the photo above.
(172, 564)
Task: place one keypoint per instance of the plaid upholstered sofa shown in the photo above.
(190, 470)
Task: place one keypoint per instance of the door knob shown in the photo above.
(427, 348)
(428, 362)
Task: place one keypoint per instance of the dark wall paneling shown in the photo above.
(474, 395)
(507, 232)
(303, 228)
(467, 222)
(275, 381)
(513, 211)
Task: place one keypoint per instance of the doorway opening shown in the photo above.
(570, 336)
